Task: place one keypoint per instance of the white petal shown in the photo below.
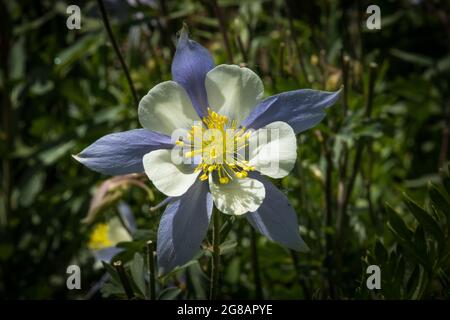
(117, 233)
(169, 178)
(166, 107)
(273, 149)
(237, 197)
(233, 91)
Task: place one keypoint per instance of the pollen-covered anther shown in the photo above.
(219, 149)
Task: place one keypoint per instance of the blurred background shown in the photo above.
(370, 185)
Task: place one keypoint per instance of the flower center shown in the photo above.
(99, 237)
(220, 146)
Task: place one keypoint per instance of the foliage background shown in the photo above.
(63, 89)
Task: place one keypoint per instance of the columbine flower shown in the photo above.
(106, 235)
(201, 97)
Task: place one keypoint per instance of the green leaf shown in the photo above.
(137, 269)
(446, 182)
(397, 224)
(440, 201)
(169, 293)
(112, 289)
(112, 272)
(420, 242)
(413, 283)
(425, 219)
(413, 58)
(381, 253)
(227, 247)
(405, 237)
(86, 45)
(196, 282)
(32, 188)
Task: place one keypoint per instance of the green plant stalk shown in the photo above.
(123, 279)
(342, 222)
(7, 110)
(328, 220)
(328, 186)
(223, 30)
(297, 47)
(215, 267)
(123, 223)
(255, 265)
(151, 270)
(298, 272)
(117, 50)
(166, 25)
(242, 49)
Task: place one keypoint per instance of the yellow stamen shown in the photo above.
(99, 238)
(219, 150)
(224, 180)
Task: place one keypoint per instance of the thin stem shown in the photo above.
(342, 214)
(306, 290)
(328, 221)
(281, 52)
(345, 79)
(151, 270)
(297, 47)
(242, 49)
(255, 265)
(446, 128)
(116, 48)
(123, 223)
(328, 214)
(214, 288)
(343, 157)
(223, 30)
(123, 279)
(7, 110)
(166, 26)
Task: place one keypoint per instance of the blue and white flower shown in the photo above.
(224, 97)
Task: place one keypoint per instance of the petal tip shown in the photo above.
(303, 247)
(183, 35)
(76, 157)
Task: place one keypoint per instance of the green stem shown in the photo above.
(116, 48)
(151, 269)
(361, 144)
(123, 223)
(214, 288)
(298, 271)
(255, 265)
(223, 30)
(297, 47)
(7, 110)
(123, 279)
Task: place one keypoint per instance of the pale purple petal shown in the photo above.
(189, 68)
(276, 219)
(127, 216)
(183, 227)
(122, 152)
(301, 109)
